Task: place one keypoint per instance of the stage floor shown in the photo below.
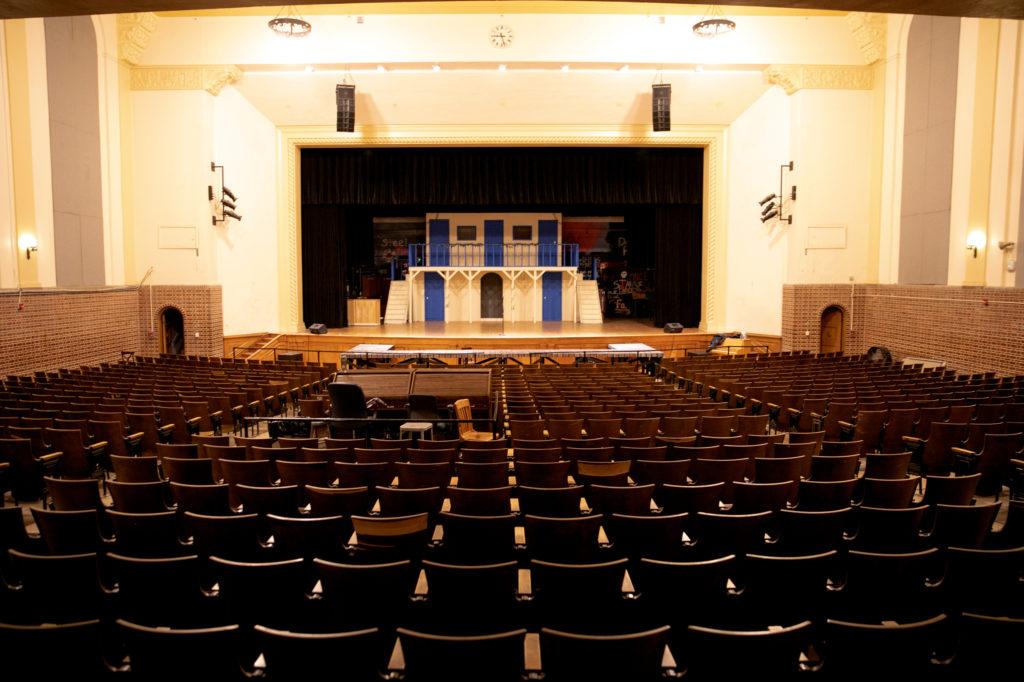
(506, 330)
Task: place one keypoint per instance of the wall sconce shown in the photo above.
(975, 241)
(29, 243)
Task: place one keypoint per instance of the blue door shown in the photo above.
(552, 293)
(433, 297)
(547, 243)
(439, 249)
(494, 238)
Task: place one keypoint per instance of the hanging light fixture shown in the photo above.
(713, 24)
(290, 24)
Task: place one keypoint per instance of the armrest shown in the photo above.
(525, 586)
(98, 446)
(216, 419)
(192, 425)
(133, 442)
(51, 458)
(963, 452)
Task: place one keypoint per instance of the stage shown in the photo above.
(468, 335)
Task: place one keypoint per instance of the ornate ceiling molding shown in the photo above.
(793, 77)
(133, 33)
(209, 78)
(869, 30)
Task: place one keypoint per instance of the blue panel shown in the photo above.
(433, 297)
(439, 248)
(552, 291)
(494, 238)
(547, 242)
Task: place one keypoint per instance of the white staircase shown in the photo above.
(589, 302)
(398, 303)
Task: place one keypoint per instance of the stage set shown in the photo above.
(529, 248)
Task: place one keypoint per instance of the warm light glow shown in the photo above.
(437, 67)
(624, 68)
(380, 68)
(975, 241)
(565, 68)
(28, 241)
(501, 67)
(310, 68)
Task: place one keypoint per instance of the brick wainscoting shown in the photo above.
(201, 309)
(974, 329)
(57, 328)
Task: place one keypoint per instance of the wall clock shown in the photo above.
(501, 36)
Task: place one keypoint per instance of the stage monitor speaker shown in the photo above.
(346, 99)
(673, 328)
(317, 328)
(661, 103)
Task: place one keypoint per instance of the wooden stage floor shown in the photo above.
(483, 335)
(478, 331)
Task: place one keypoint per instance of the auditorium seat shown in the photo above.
(719, 654)
(475, 540)
(79, 644)
(140, 498)
(462, 658)
(289, 655)
(357, 596)
(908, 650)
(72, 494)
(149, 534)
(327, 501)
(69, 532)
(574, 656)
(570, 539)
(720, 534)
(811, 531)
(171, 655)
(967, 525)
(62, 588)
(480, 501)
(657, 536)
(210, 499)
(472, 600)
(897, 586)
(178, 602)
(135, 469)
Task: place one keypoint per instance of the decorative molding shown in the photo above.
(869, 30)
(293, 139)
(209, 78)
(793, 77)
(133, 34)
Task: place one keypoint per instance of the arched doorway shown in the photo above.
(832, 330)
(172, 331)
(491, 302)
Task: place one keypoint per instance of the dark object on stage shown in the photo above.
(673, 328)
(346, 97)
(878, 354)
(293, 356)
(317, 328)
(661, 102)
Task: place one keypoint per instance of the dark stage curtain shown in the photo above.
(678, 237)
(518, 176)
(324, 261)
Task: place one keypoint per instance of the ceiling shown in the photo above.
(1010, 9)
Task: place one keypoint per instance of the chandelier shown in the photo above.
(288, 23)
(713, 24)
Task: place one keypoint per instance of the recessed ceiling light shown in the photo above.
(436, 67)
(502, 67)
(624, 68)
(310, 68)
(380, 68)
(565, 67)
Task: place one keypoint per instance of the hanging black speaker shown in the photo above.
(346, 96)
(661, 104)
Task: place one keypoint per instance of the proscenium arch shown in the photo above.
(710, 138)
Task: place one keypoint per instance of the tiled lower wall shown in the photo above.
(54, 328)
(974, 329)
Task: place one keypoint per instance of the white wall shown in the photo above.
(758, 142)
(245, 144)
(172, 150)
(832, 134)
